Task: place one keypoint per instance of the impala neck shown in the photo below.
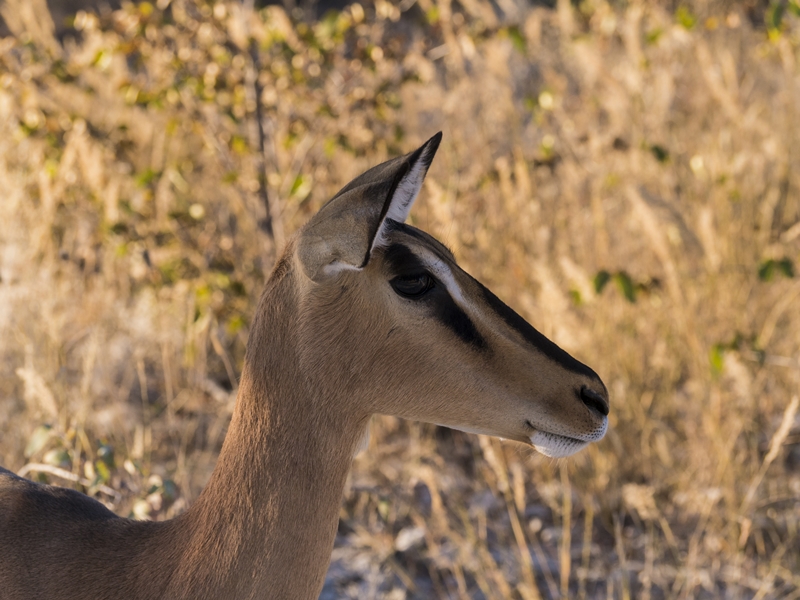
(264, 525)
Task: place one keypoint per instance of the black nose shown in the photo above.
(592, 399)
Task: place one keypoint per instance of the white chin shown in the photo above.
(556, 446)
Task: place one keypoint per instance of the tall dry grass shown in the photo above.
(625, 176)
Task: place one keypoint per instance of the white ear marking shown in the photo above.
(337, 267)
(407, 191)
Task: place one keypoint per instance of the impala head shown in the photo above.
(390, 324)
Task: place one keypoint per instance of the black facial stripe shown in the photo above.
(533, 337)
(449, 314)
(402, 261)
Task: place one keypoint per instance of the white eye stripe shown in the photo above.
(442, 272)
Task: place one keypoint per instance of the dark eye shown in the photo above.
(412, 286)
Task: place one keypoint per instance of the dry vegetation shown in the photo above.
(625, 176)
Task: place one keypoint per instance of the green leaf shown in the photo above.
(301, 187)
(102, 470)
(326, 29)
(517, 39)
(652, 36)
(626, 286)
(105, 454)
(238, 144)
(297, 184)
(685, 18)
(786, 267)
(768, 268)
(383, 509)
(600, 280)
(329, 146)
(661, 153)
(146, 178)
(235, 324)
(717, 358)
(59, 69)
(774, 15)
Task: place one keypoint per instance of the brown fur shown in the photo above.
(324, 354)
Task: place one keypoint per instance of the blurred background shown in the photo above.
(623, 174)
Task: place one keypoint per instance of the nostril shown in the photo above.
(594, 400)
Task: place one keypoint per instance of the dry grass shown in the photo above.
(654, 151)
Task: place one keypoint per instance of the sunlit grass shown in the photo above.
(626, 178)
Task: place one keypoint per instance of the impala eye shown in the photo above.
(412, 286)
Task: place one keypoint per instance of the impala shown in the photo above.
(362, 314)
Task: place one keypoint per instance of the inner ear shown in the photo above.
(404, 190)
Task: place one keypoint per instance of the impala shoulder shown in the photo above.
(21, 498)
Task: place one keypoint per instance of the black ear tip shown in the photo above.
(434, 141)
(429, 149)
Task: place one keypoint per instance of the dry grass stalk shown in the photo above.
(775, 444)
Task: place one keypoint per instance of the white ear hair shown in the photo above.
(407, 190)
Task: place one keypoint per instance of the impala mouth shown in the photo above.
(560, 446)
(556, 446)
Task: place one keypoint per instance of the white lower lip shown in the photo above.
(556, 446)
(559, 446)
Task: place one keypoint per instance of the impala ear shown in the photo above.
(344, 232)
